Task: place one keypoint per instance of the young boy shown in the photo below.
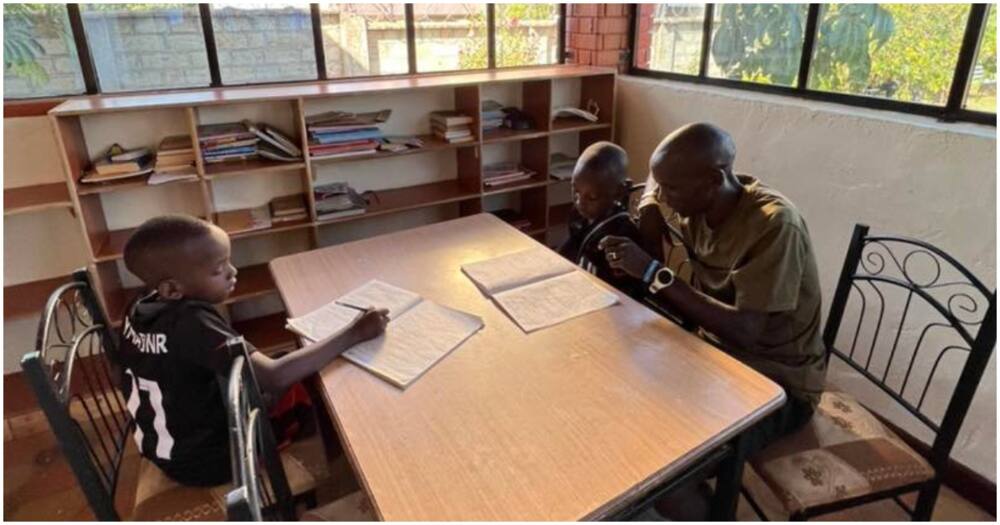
(600, 208)
(172, 348)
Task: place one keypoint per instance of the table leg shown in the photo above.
(729, 479)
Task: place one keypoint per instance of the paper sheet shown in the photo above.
(516, 269)
(325, 321)
(377, 294)
(414, 342)
(552, 301)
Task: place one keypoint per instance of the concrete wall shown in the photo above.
(898, 173)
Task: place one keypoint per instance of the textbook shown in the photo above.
(420, 332)
(248, 220)
(537, 288)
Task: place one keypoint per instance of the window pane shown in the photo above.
(759, 43)
(450, 36)
(264, 42)
(903, 52)
(146, 46)
(39, 58)
(364, 39)
(527, 34)
(982, 95)
(669, 37)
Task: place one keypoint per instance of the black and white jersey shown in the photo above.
(173, 353)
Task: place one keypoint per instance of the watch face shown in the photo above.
(663, 276)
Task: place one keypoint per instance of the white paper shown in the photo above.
(552, 301)
(516, 269)
(325, 321)
(414, 342)
(377, 294)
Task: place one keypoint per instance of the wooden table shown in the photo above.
(577, 421)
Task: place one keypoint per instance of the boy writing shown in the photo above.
(172, 348)
(600, 208)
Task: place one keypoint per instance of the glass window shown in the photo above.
(982, 95)
(263, 42)
(669, 37)
(39, 58)
(904, 52)
(759, 43)
(450, 36)
(527, 34)
(364, 39)
(146, 46)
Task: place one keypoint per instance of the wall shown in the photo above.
(900, 174)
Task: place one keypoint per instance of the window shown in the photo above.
(670, 37)
(146, 46)
(759, 43)
(450, 37)
(39, 57)
(364, 39)
(982, 94)
(527, 34)
(264, 42)
(903, 52)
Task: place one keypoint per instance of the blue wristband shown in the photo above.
(654, 265)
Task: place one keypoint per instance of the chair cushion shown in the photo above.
(352, 507)
(159, 498)
(843, 452)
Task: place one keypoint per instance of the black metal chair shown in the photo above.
(76, 381)
(946, 314)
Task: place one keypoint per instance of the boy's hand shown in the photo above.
(370, 324)
(625, 255)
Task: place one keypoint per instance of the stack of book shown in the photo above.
(288, 208)
(337, 199)
(227, 141)
(248, 220)
(174, 161)
(118, 163)
(561, 166)
(452, 126)
(341, 134)
(492, 115)
(274, 144)
(504, 173)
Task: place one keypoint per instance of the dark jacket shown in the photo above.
(581, 247)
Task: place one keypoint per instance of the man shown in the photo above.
(754, 287)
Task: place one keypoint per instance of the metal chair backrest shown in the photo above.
(75, 377)
(945, 311)
(261, 490)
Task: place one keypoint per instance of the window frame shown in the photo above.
(92, 84)
(952, 111)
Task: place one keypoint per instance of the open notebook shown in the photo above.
(420, 332)
(537, 288)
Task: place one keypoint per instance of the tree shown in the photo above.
(517, 42)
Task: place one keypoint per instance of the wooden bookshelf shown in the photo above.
(28, 299)
(27, 199)
(462, 188)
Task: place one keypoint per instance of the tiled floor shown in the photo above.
(38, 484)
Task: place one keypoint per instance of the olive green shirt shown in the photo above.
(761, 259)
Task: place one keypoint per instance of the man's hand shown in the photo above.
(370, 325)
(625, 255)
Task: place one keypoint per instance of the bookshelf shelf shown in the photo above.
(569, 125)
(128, 184)
(267, 333)
(112, 243)
(274, 228)
(252, 282)
(411, 198)
(431, 144)
(28, 299)
(509, 135)
(28, 199)
(534, 182)
(249, 167)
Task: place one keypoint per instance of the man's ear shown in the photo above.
(170, 289)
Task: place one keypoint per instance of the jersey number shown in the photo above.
(164, 441)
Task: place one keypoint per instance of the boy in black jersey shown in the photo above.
(172, 348)
(600, 208)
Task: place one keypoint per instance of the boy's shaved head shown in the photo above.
(152, 252)
(604, 160)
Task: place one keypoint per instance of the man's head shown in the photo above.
(691, 165)
(600, 180)
(182, 257)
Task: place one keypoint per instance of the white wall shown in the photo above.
(898, 173)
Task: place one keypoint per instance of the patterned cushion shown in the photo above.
(843, 452)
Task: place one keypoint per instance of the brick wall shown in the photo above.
(597, 34)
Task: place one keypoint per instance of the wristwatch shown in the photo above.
(663, 278)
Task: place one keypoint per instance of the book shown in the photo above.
(246, 220)
(92, 177)
(269, 152)
(175, 144)
(333, 138)
(450, 118)
(287, 205)
(130, 155)
(236, 144)
(274, 138)
(338, 199)
(420, 332)
(452, 133)
(346, 118)
(537, 288)
(160, 177)
(561, 166)
(218, 133)
(108, 167)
